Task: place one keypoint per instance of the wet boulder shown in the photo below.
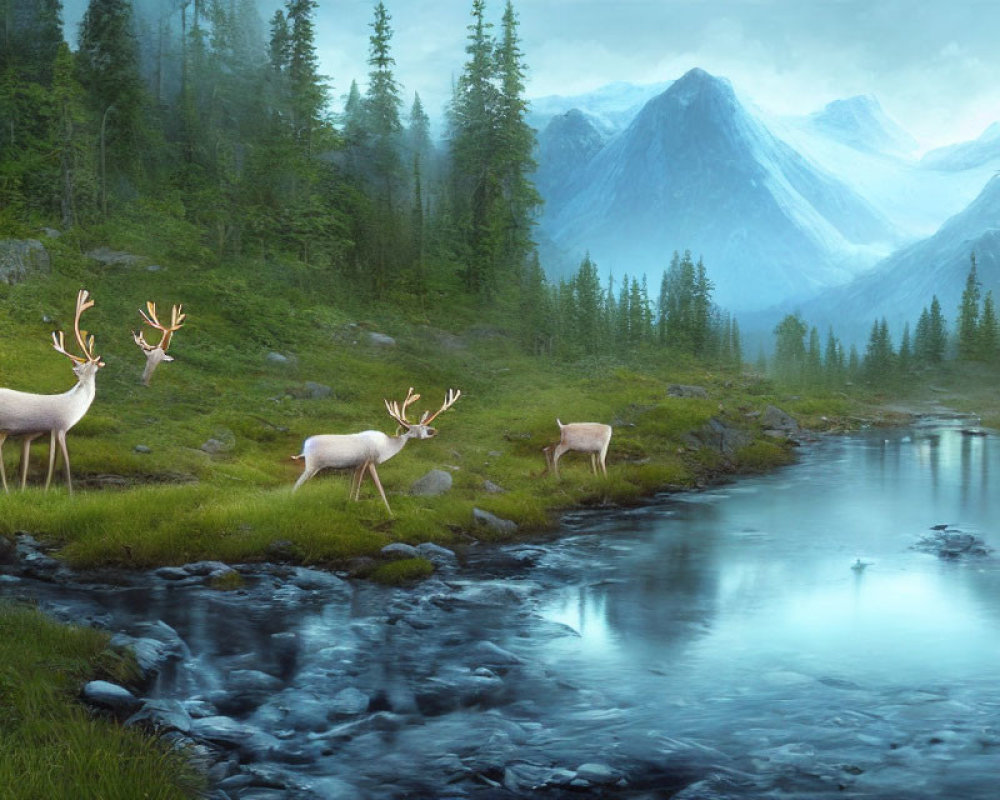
(111, 696)
(952, 544)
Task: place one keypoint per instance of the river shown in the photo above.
(802, 634)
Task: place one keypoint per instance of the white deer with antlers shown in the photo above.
(584, 437)
(158, 352)
(363, 451)
(31, 415)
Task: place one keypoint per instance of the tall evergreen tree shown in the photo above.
(381, 108)
(474, 184)
(519, 200)
(108, 62)
(968, 315)
(989, 332)
(790, 348)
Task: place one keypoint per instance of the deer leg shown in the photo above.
(52, 461)
(378, 483)
(61, 436)
(3, 472)
(356, 477)
(306, 475)
(25, 453)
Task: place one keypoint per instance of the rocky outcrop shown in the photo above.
(22, 258)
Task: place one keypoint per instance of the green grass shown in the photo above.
(52, 747)
(180, 503)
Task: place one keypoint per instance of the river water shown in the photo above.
(794, 635)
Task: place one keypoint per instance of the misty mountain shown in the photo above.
(984, 151)
(565, 146)
(694, 170)
(860, 122)
(610, 108)
(899, 287)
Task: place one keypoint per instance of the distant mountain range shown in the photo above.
(782, 210)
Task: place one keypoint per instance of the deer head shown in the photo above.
(421, 429)
(87, 364)
(155, 353)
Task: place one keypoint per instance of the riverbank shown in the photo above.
(492, 673)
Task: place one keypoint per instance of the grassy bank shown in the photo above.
(265, 361)
(52, 747)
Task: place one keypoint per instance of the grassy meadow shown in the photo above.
(257, 340)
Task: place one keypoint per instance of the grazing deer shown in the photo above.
(158, 352)
(584, 437)
(362, 451)
(31, 415)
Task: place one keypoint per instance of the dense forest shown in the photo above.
(210, 116)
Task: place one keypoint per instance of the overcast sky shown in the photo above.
(933, 64)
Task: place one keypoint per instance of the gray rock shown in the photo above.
(776, 419)
(439, 556)
(720, 436)
(223, 441)
(110, 695)
(141, 448)
(113, 258)
(400, 550)
(21, 258)
(597, 773)
(493, 488)
(435, 482)
(203, 569)
(488, 654)
(162, 715)
(379, 339)
(317, 391)
(8, 551)
(681, 390)
(349, 702)
(277, 358)
(498, 524)
(253, 680)
(313, 580)
(172, 573)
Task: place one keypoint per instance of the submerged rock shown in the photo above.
(950, 544)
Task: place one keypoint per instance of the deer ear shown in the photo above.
(424, 416)
(167, 358)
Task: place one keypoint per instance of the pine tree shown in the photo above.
(31, 37)
(108, 62)
(904, 359)
(381, 108)
(790, 348)
(73, 143)
(814, 358)
(989, 333)
(968, 315)
(587, 285)
(474, 184)
(519, 200)
(937, 333)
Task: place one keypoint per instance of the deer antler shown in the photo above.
(398, 412)
(176, 322)
(449, 401)
(83, 302)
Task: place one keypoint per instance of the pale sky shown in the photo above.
(933, 64)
